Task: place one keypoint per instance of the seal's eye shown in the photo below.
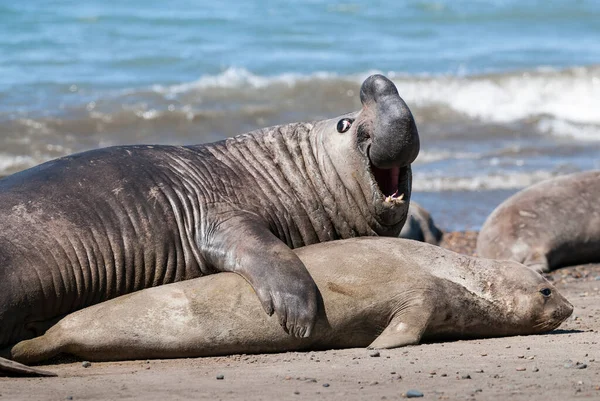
(344, 125)
(546, 292)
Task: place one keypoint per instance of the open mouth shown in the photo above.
(387, 180)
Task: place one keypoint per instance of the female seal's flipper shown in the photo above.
(406, 327)
(12, 368)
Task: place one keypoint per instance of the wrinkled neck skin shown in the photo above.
(305, 188)
(478, 276)
(464, 314)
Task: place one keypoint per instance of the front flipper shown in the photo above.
(278, 276)
(12, 368)
(406, 327)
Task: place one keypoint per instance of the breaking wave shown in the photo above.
(460, 117)
(555, 102)
(500, 180)
(564, 102)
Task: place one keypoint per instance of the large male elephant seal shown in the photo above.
(419, 226)
(377, 292)
(551, 224)
(89, 227)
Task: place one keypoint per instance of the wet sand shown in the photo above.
(564, 364)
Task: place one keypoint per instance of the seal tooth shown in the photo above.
(394, 199)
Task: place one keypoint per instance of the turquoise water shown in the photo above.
(505, 93)
(139, 43)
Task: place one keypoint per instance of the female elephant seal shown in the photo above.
(89, 227)
(376, 292)
(552, 224)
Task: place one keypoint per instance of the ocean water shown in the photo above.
(505, 92)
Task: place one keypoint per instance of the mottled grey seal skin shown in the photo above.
(419, 226)
(376, 292)
(89, 227)
(552, 224)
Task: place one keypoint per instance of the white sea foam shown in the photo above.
(567, 100)
(234, 77)
(500, 180)
(560, 127)
(572, 95)
(426, 156)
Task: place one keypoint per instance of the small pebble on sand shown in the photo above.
(374, 353)
(86, 364)
(413, 394)
(577, 365)
(521, 369)
(220, 377)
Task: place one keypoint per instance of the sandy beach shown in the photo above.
(563, 364)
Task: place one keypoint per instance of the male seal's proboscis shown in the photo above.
(89, 227)
(376, 292)
(552, 224)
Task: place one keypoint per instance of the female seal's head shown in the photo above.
(532, 304)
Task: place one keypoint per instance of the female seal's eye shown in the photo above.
(344, 125)
(546, 292)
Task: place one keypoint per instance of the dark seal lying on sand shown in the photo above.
(89, 227)
(420, 226)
